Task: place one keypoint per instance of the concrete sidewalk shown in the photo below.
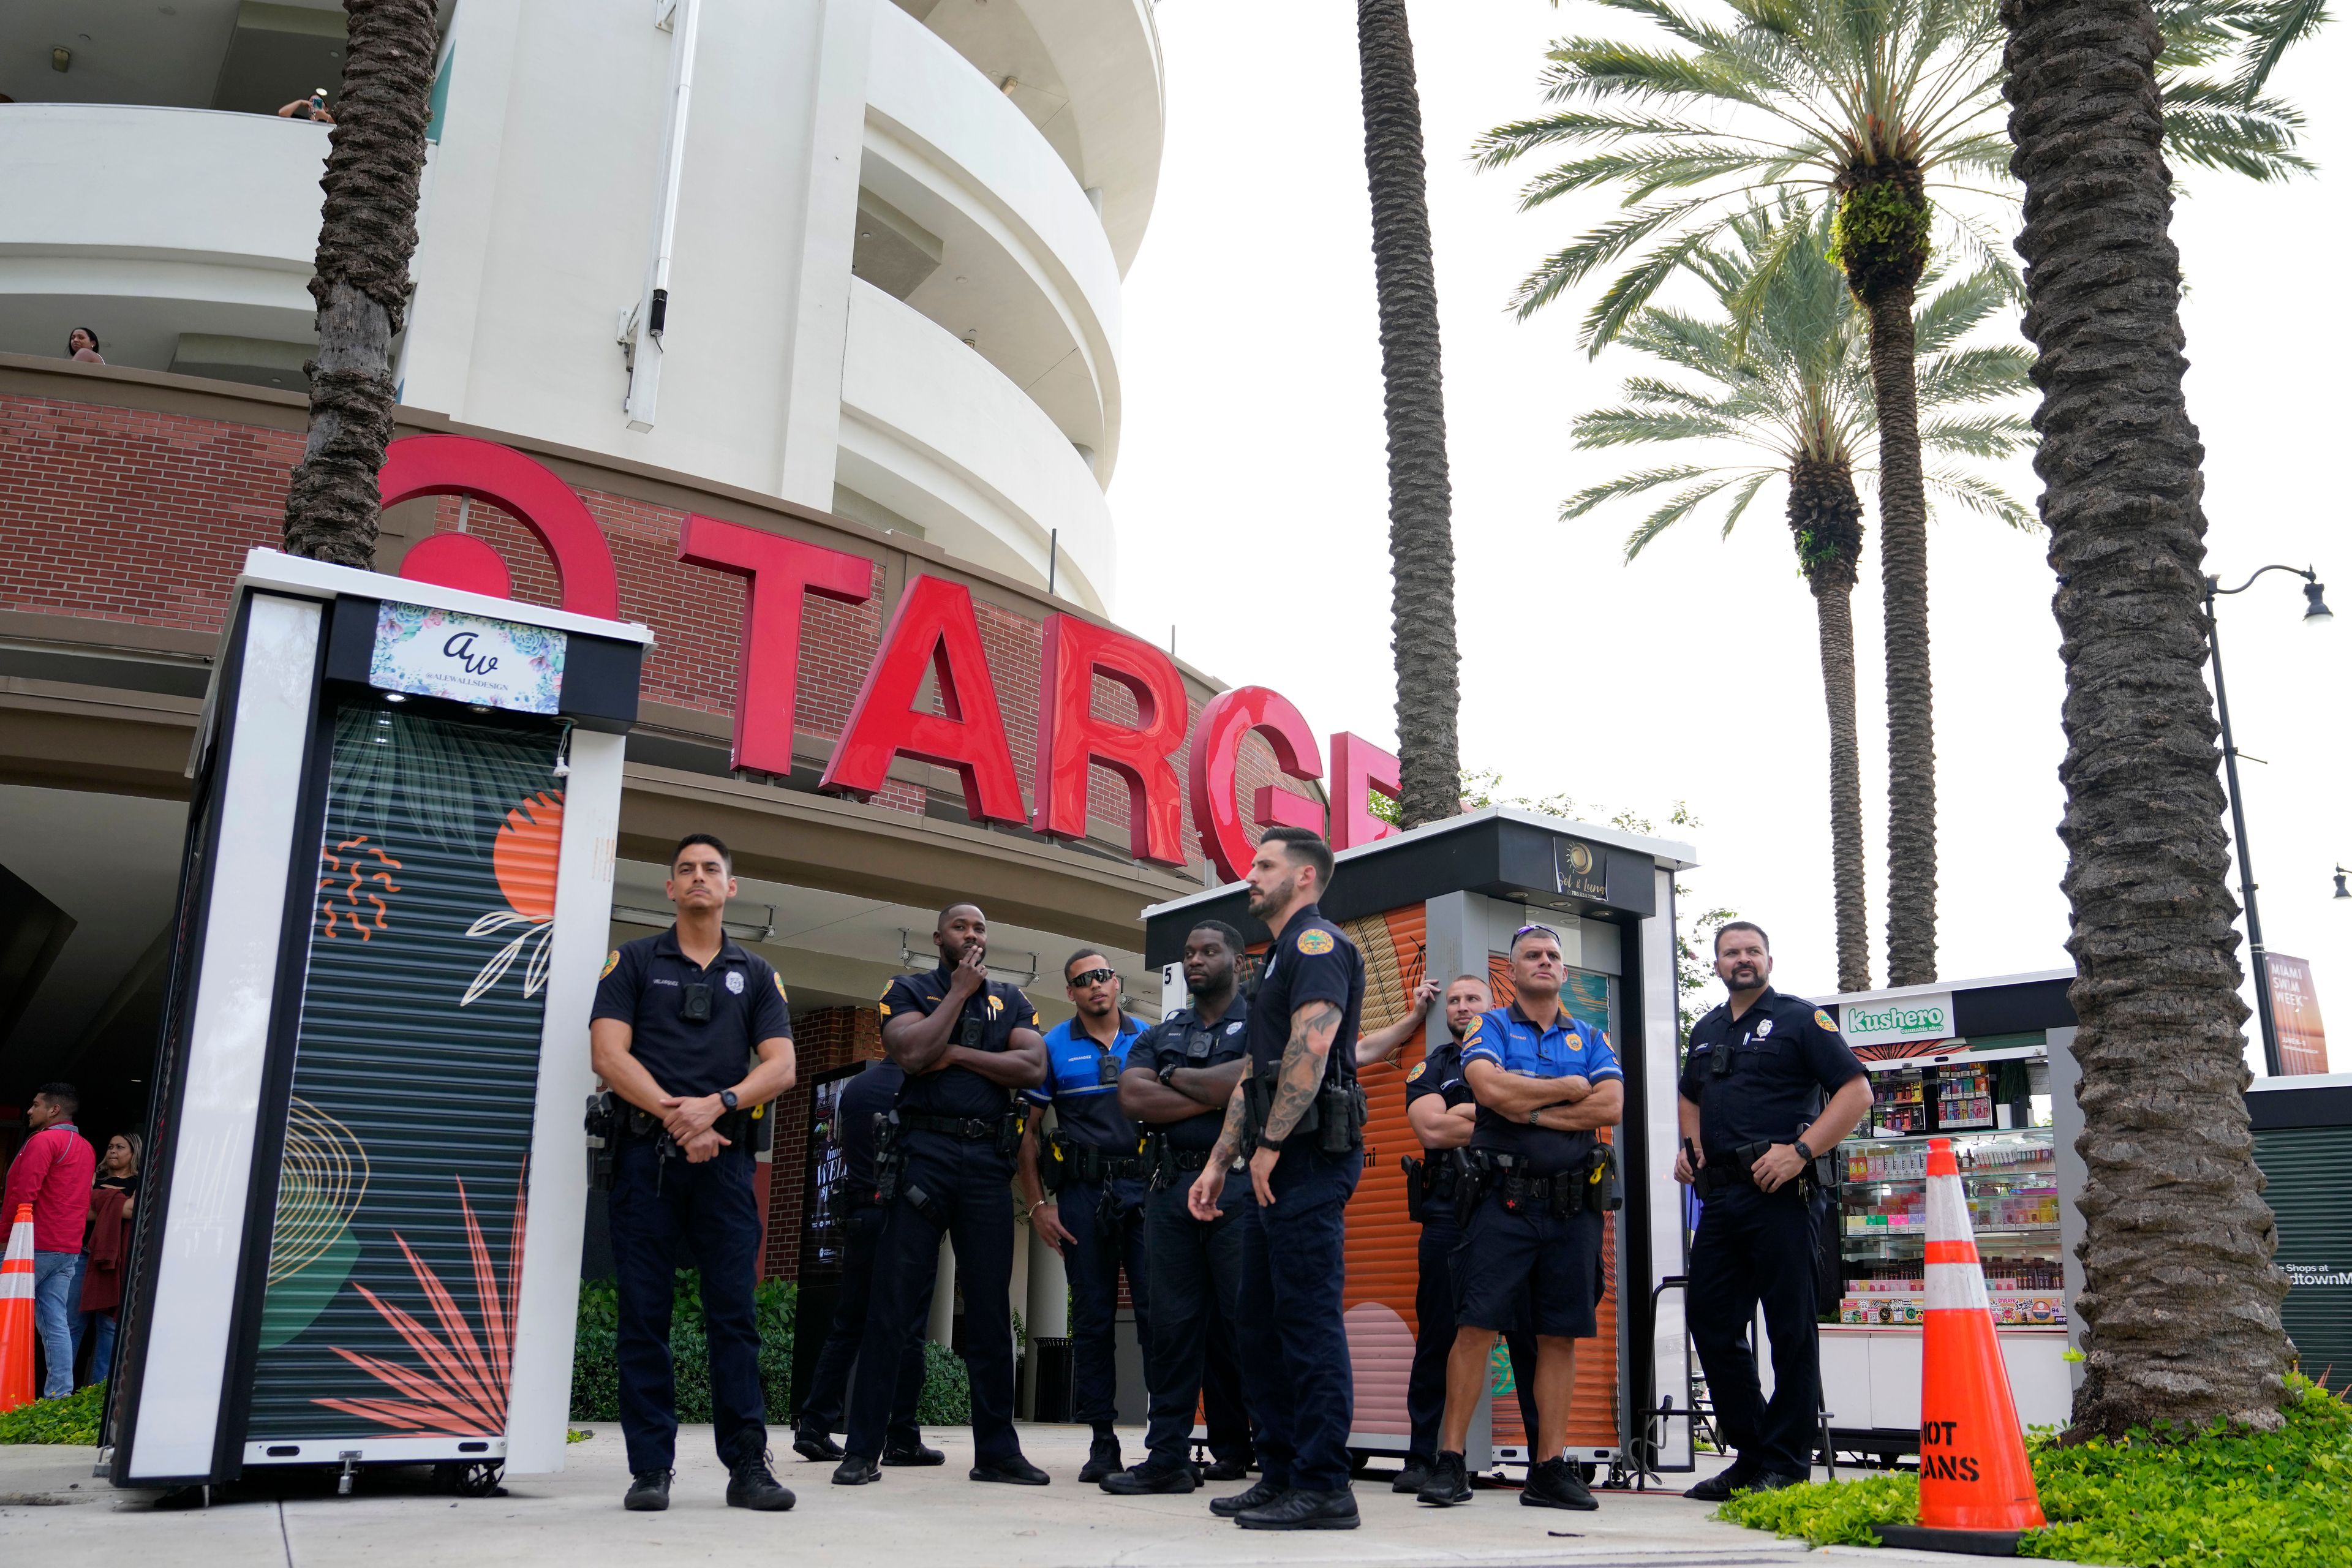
(53, 1513)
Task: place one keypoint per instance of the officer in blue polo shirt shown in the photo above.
(1093, 1214)
(1540, 1180)
(1298, 1118)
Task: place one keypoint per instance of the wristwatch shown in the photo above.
(727, 1098)
(1804, 1151)
(1166, 1073)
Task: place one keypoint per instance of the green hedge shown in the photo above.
(72, 1419)
(595, 1376)
(2217, 1499)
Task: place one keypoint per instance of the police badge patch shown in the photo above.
(1822, 1017)
(611, 962)
(1417, 1068)
(735, 983)
(1315, 943)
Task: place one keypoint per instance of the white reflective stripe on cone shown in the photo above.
(1948, 1211)
(1957, 1287)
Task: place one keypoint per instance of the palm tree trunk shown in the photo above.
(1910, 689)
(2180, 1297)
(366, 235)
(1421, 497)
(1826, 515)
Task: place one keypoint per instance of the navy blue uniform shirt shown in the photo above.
(1569, 1049)
(1786, 1057)
(1086, 1105)
(1311, 960)
(998, 1008)
(643, 986)
(1439, 1071)
(870, 1094)
(1181, 1040)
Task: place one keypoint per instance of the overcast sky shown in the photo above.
(1252, 505)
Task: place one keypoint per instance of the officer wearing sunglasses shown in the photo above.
(1090, 1209)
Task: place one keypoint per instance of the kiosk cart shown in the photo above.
(374, 1061)
(1443, 900)
(1985, 1064)
(2303, 1142)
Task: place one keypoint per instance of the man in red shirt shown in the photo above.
(53, 1172)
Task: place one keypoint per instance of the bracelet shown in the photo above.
(1040, 1203)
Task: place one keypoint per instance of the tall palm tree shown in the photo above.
(2180, 1298)
(1788, 395)
(1877, 104)
(367, 234)
(1421, 496)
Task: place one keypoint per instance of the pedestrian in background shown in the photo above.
(81, 344)
(52, 1173)
(106, 1252)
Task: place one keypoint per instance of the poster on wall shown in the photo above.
(2294, 1013)
(395, 1255)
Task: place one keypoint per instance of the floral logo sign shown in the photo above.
(467, 658)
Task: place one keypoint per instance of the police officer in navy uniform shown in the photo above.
(678, 1021)
(859, 1209)
(1302, 1032)
(1438, 1103)
(968, 1045)
(1545, 1083)
(1180, 1077)
(1093, 1216)
(1752, 1105)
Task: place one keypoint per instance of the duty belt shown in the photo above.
(971, 1128)
(1737, 1169)
(1591, 1183)
(1083, 1162)
(1436, 1178)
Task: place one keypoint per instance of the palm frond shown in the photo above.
(1981, 496)
(1675, 509)
(1633, 484)
(1983, 436)
(1974, 375)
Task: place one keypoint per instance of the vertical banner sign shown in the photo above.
(397, 1254)
(2294, 1013)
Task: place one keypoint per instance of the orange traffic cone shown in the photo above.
(1976, 1488)
(16, 1313)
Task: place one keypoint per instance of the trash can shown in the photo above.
(1053, 1364)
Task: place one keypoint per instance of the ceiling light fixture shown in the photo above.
(742, 931)
(918, 959)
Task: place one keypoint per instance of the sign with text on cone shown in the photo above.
(1973, 1472)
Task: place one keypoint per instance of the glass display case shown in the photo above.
(1997, 1114)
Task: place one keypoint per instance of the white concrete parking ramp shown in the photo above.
(53, 1514)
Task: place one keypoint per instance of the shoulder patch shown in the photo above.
(782, 994)
(1314, 944)
(1417, 1068)
(611, 962)
(1822, 1017)
(1477, 1025)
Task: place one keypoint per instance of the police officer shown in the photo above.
(1544, 1083)
(1438, 1104)
(1093, 1216)
(1752, 1108)
(968, 1045)
(859, 1206)
(1180, 1077)
(678, 1019)
(1297, 1118)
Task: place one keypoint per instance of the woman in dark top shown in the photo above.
(106, 1250)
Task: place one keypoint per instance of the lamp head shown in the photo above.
(2341, 890)
(2314, 610)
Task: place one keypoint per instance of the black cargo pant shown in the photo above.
(1754, 1247)
(821, 1407)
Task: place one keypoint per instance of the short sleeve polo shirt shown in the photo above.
(1785, 1055)
(1083, 1094)
(989, 1017)
(646, 985)
(1183, 1040)
(1569, 1047)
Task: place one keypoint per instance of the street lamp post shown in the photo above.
(2314, 613)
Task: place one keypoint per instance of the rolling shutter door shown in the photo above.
(397, 1247)
(1383, 1243)
(2309, 1169)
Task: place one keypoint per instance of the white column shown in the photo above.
(820, 324)
(942, 1325)
(1049, 1295)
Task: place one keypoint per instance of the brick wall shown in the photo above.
(823, 1039)
(123, 515)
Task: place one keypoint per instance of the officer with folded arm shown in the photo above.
(1093, 1214)
(678, 1019)
(1438, 1105)
(1768, 1088)
(968, 1045)
(1539, 1182)
(1298, 1118)
(1180, 1077)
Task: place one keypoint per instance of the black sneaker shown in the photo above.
(916, 1454)
(753, 1485)
(1738, 1476)
(1556, 1483)
(1103, 1460)
(1412, 1479)
(648, 1493)
(856, 1470)
(1230, 1469)
(1258, 1496)
(1016, 1471)
(814, 1442)
(1304, 1511)
(1448, 1483)
(1149, 1478)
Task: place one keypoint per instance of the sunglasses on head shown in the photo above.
(1532, 930)
(1091, 977)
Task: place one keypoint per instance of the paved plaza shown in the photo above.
(54, 1514)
